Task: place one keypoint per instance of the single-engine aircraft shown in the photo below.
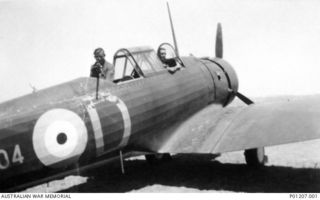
(147, 110)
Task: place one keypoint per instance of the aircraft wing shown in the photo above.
(216, 129)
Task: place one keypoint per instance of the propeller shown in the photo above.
(243, 98)
(219, 54)
(219, 44)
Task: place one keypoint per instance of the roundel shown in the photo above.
(58, 135)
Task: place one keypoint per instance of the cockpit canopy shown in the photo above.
(135, 62)
(141, 62)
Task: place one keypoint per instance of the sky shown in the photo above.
(274, 45)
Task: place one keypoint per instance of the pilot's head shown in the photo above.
(162, 53)
(99, 55)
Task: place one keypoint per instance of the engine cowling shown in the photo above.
(225, 79)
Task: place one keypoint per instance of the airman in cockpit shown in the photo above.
(169, 63)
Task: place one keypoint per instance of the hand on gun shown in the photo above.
(97, 69)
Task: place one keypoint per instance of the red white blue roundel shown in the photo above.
(58, 135)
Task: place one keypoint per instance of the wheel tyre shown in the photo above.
(151, 159)
(255, 158)
(166, 157)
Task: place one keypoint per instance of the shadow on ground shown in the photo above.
(202, 173)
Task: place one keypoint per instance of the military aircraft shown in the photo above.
(148, 110)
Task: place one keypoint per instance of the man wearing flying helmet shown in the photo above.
(101, 67)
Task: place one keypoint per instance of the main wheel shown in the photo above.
(255, 158)
(158, 158)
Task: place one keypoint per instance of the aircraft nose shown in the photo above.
(232, 78)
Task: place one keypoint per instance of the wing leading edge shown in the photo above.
(216, 129)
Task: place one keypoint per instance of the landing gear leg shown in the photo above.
(255, 158)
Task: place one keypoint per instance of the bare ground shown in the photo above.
(291, 168)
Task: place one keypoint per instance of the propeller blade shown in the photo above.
(219, 44)
(243, 98)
